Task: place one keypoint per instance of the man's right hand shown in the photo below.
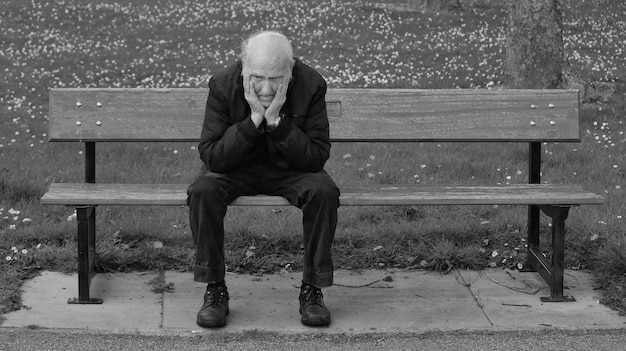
(257, 109)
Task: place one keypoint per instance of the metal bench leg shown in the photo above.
(534, 177)
(559, 215)
(533, 237)
(86, 218)
(550, 271)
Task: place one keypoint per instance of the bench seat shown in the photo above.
(85, 194)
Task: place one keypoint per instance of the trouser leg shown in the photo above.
(208, 198)
(318, 197)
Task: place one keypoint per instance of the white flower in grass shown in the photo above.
(8, 258)
(24, 251)
(14, 249)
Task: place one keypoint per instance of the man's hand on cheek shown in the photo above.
(257, 111)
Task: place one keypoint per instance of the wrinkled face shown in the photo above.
(266, 69)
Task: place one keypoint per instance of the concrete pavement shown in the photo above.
(372, 301)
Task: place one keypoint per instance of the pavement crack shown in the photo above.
(159, 287)
(467, 285)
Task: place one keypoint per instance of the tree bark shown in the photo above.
(535, 53)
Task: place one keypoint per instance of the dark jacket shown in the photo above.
(230, 139)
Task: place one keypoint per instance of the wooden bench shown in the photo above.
(90, 116)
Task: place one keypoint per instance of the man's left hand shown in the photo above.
(272, 111)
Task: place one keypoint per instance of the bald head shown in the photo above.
(267, 49)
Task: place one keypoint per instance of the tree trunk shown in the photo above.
(535, 53)
(436, 5)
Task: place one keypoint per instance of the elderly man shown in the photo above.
(265, 131)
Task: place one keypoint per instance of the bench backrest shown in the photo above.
(89, 115)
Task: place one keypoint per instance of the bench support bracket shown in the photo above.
(550, 270)
(86, 218)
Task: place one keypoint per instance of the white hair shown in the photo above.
(286, 50)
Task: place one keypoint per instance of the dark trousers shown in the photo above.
(314, 193)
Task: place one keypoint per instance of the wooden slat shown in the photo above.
(126, 114)
(355, 115)
(175, 195)
(456, 115)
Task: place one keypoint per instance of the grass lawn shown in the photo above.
(357, 44)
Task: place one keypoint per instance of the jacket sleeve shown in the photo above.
(224, 142)
(306, 145)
